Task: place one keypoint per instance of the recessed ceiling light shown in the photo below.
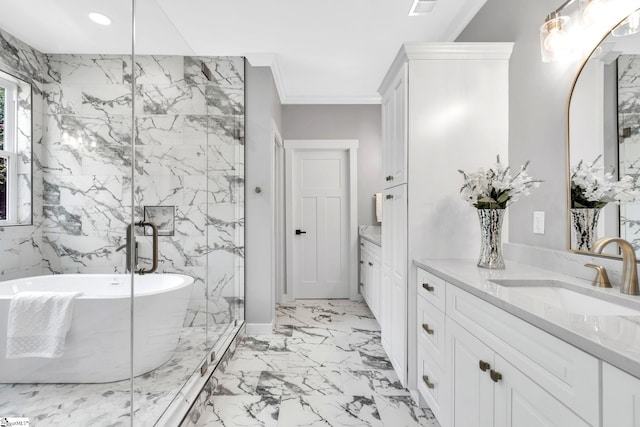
(421, 7)
(99, 18)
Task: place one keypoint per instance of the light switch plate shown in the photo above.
(538, 222)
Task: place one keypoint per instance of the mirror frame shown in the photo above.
(568, 149)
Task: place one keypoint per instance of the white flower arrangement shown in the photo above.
(590, 188)
(496, 188)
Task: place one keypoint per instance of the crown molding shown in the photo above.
(325, 100)
(415, 51)
(269, 60)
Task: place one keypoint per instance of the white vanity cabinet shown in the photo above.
(495, 369)
(620, 398)
(370, 275)
(437, 99)
(489, 391)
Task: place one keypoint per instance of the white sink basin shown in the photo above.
(552, 294)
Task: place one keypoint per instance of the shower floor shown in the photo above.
(105, 404)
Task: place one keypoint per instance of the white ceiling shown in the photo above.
(330, 51)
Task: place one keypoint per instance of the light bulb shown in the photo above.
(555, 40)
(629, 26)
(594, 11)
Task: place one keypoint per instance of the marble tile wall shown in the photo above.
(189, 154)
(21, 246)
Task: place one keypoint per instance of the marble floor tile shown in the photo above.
(400, 411)
(323, 366)
(382, 382)
(241, 411)
(301, 383)
(237, 383)
(312, 411)
(327, 360)
(258, 361)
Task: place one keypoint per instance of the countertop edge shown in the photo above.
(371, 239)
(620, 361)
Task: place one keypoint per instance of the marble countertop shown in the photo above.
(614, 339)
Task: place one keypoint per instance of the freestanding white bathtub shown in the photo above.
(97, 348)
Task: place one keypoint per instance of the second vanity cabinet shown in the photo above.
(500, 370)
(621, 405)
(370, 276)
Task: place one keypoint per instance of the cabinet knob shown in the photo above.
(389, 196)
(495, 376)
(484, 366)
(389, 178)
(371, 264)
(428, 287)
(361, 284)
(428, 383)
(361, 262)
(425, 326)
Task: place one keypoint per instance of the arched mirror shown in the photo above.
(604, 142)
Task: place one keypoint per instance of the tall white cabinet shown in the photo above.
(444, 108)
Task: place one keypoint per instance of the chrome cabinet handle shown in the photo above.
(154, 265)
(428, 383)
(425, 326)
(495, 376)
(484, 366)
(428, 288)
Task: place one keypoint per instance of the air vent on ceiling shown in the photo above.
(421, 7)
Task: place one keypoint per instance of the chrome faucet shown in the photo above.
(629, 268)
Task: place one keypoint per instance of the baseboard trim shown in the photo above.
(259, 328)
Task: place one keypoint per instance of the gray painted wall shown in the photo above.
(262, 107)
(361, 122)
(538, 95)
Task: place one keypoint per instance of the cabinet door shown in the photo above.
(399, 167)
(394, 259)
(620, 398)
(394, 131)
(385, 310)
(374, 278)
(472, 397)
(520, 402)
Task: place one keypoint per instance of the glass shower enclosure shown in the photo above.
(126, 176)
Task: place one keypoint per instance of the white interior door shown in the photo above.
(321, 214)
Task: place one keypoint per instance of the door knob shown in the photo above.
(298, 232)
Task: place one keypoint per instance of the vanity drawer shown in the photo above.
(432, 385)
(370, 248)
(565, 372)
(431, 288)
(431, 330)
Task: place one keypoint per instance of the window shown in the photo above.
(8, 151)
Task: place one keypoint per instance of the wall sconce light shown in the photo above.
(577, 26)
(554, 37)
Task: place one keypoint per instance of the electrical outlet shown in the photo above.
(538, 222)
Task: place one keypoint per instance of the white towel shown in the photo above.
(38, 323)
(379, 207)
